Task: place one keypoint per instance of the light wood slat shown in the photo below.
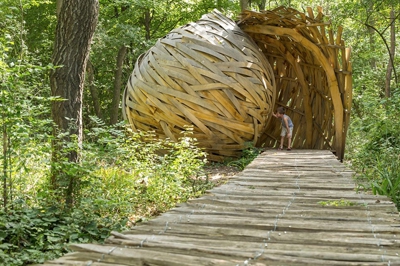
(167, 131)
(208, 51)
(229, 133)
(228, 105)
(152, 99)
(193, 118)
(241, 66)
(237, 106)
(164, 80)
(209, 86)
(227, 109)
(229, 123)
(159, 91)
(231, 83)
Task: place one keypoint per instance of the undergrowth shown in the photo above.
(128, 177)
(374, 148)
(248, 155)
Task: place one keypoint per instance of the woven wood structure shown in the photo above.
(312, 70)
(226, 79)
(208, 74)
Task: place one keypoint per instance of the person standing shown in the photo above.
(287, 127)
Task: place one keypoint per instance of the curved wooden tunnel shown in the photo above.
(312, 70)
(227, 78)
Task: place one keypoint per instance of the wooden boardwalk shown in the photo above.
(278, 211)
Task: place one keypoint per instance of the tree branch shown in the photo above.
(387, 47)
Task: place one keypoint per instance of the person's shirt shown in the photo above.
(290, 123)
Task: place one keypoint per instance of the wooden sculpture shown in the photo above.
(225, 79)
(313, 75)
(207, 74)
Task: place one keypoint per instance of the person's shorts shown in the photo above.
(284, 131)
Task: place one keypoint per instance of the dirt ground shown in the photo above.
(219, 174)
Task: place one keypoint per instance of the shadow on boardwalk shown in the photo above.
(286, 208)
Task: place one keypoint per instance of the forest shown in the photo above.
(73, 171)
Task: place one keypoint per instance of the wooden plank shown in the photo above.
(224, 247)
(280, 241)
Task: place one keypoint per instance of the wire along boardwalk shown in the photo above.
(286, 208)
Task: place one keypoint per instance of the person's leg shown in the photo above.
(289, 147)
(282, 140)
(283, 134)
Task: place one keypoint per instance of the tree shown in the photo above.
(77, 21)
(392, 50)
(117, 86)
(244, 4)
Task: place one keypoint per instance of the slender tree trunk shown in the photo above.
(117, 85)
(76, 24)
(93, 90)
(392, 51)
(58, 7)
(371, 32)
(244, 4)
(147, 23)
(372, 45)
(5, 167)
(261, 5)
(219, 4)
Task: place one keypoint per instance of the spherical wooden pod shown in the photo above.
(209, 75)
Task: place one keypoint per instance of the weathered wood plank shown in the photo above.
(278, 241)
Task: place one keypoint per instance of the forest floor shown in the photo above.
(216, 173)
(219, 174)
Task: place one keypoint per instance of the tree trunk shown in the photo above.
(5, 166)
(392, 51)
(117, 85)
(58, 7)
(244, 4)
(219, 5)
(76, 24)
(93, 90)
(371, 32)
(147, 17)
(261, 5)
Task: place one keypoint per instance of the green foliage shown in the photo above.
(372, 142)
(23, 111)
(34, 235)
(128, 177)
(374, 146)
(248, 155)
(388, 180)
(140, 175)
(337, 203)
